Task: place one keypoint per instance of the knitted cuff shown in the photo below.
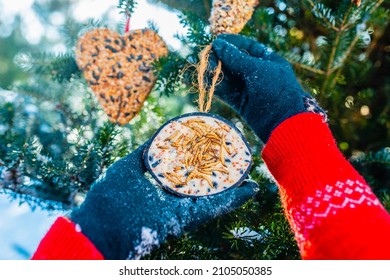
(302, 155)
(65, 242)
(311, 105)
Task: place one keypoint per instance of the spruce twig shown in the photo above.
(32, 195)
(329, 69)
(345, 57)
(127, 6)
(308, 68)
(344, 27)
(325, 19)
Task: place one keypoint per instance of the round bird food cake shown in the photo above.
(198, 154)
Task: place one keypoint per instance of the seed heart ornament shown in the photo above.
(230, 16)
(119, 68)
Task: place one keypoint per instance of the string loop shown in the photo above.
(205, 98)
(127, 26)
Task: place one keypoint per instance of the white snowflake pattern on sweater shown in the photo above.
(329, 201)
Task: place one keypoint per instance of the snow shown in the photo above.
(148, 242)
(263, 170)
(246, 234)
(21, 229)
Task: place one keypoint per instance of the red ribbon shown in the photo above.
(127, 27)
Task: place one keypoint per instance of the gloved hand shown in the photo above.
(259, 84)
(125, 215)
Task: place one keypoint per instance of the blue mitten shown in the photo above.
(125, 215)
(259, 84)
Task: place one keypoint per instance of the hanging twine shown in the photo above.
(127, 26)
(205, 98)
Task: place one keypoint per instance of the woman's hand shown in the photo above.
(258, 83)
(125, 215)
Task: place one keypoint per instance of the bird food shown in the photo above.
(198, 154)
(230, 16)
(119, 68)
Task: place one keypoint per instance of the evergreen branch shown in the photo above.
(13, 181)
(346, 55)
(59, 67)
(385, 199)
(197, 32)
(90, 25)
(70, 31)
(379, 18)
(344, 27)
(329, 69)
(381, 157)
(308, 68)
(31, 173)
(36, 91)
(368, 9)
(127, 6)
(170, 73)
(346, 52)
(105, 140)
(64, 67)
(344, 22)
(378, 3)
(320, 11)
(152, 25)
(374, 167)
(39, 197)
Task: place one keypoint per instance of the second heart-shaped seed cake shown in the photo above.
(119, 68)
(230, 16)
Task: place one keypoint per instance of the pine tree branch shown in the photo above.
(330, 69)
(378, 3)
(343, 27)
(376, 6)
(376, 38)
(348, 52)
(20, 179)
(127, 6)
(345, 57)
(326, 21)
(308, 68)
(60, 67)
(39, 196)
(373, 44)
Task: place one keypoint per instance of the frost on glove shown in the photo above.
(125, 215)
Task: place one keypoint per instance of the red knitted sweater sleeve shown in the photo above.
(64, 241)
(332, 211)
